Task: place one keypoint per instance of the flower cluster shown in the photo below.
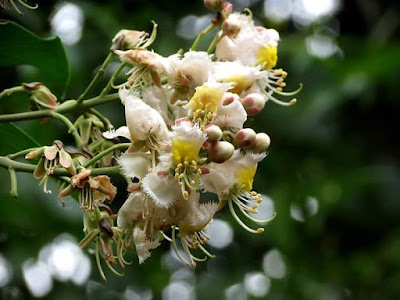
(186, 120)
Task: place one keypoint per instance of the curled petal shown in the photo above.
(106, 190)
(122, 131)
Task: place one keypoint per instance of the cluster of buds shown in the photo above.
(185, 118)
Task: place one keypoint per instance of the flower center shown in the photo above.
(267, 56)
(240, 83)
(244, 177)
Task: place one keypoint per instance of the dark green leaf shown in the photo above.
(18, 46)
(15, 139)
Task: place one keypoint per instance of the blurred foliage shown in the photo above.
(339, 144)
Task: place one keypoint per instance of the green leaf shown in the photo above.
(18, 46)
(15, 139)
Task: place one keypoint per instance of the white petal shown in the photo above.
(131, 210)
(143, 244)
(122, 131)
(163, 190)
(144, 121)
(231, 115)
(156, 97)
(134, 164)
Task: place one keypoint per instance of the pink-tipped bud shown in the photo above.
(253, 103)
(231, 27)
(216, 5)
(214, 133)
(229, 98)
(244, 138)
(227, 9)
(261, 142)
(221, 152)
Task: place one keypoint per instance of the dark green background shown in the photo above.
(339, 144)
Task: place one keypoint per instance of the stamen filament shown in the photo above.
(98, 263)
(238, 219)
(174, 245)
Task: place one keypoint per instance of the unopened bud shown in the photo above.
(41, 94)
(253, 103)
(35, 153)
(216, 5)
(221, 152)
(229, 98)
(231, 27)
(214, 132)
(244, 138)
(261, 142)
(128, 39)
(227, 9)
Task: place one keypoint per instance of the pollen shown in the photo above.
(184, 151)
(267, 56)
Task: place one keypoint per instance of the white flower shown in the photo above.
(186, 143)
(206, 99)
(253, 45)
(191, 70)
(236, 172)
(233, 182)
(143, 121)
(242, 77)
(230, 112)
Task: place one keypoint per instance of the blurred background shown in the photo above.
(332, 173)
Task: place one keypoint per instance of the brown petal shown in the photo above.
(39, 170)
(50, 152)
(65, 159)
(35, 153)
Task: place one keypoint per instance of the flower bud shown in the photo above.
(215, 5)
(221, 152)
(214, 133)
(38, 152)
(261, 142)
(128, 39)
(231, 27)
(253, 103)
(229, 98)
(227, 9)
(244, 138)
(41, 94)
